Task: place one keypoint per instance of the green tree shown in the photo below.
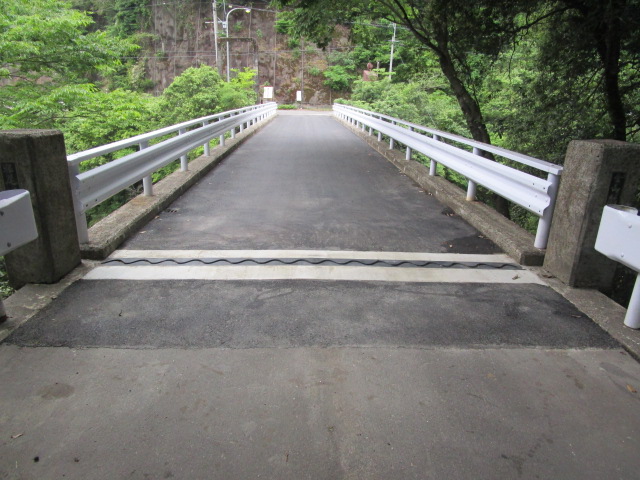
(200, 91)
(342, 72)
(240, 91)
(600, 40)
(105, 117)
(49, 61)
(130, 16)
(194, 93)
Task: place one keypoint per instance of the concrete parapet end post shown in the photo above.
(596, 173)
(36, 160)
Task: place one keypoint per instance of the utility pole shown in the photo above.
(214, 7)
(393, 43)
(302, 69)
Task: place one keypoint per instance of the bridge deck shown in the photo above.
(306, 311)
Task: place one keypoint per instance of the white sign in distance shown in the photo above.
(299, 96)
(268, 92)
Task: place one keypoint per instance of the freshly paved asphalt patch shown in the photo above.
(307, 182)
(297, 313)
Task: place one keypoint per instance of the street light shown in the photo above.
(225, 25)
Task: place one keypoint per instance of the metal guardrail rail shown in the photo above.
(98, 184)
(537, 195)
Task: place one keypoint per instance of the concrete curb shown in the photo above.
(106, 235)
(514, 240)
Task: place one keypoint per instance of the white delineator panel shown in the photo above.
(17, 223)
(619, 239)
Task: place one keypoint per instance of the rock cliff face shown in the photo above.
(182, 37)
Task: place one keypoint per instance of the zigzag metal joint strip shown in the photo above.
(309, 261)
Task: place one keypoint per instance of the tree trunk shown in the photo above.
(472, 115)
(608, 41)
(604, 21)
(468, 105)
(615, 107)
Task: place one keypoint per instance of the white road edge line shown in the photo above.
(341, 254)
(376, 274)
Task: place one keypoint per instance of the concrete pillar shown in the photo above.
(36, 160)
(596, 173)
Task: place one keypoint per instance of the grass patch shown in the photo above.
(5, 288)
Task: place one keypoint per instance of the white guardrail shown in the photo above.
(535, 194)
(98, 184)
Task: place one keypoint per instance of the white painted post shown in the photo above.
(408, 155)
(472, 188)
(207, 147)
(544, 224)
(184, 165)
(147, 182)
(81, 218)
(379, 136)
(433, 165)
(391, 141)
(632, 318)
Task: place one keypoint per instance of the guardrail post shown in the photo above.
(379, 136)
(222, 140)
(207, 147)
(184, 162)
(82, 229)
(147, 182)
(370, 131)
(471, 185)
(433, 165)
(35, 160)
(391, 141)
(408, 154)
(544, 223)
